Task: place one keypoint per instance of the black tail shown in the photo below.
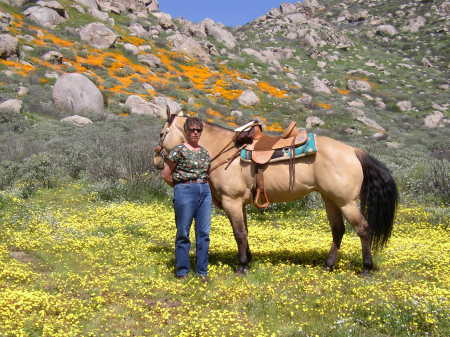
(379, 198)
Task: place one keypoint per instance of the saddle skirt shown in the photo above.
(301, 147)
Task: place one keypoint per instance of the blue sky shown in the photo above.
(228, 12)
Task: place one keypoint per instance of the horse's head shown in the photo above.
(170, 136)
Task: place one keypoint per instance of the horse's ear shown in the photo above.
(168, 112)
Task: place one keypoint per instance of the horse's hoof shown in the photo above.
(329, 268)
(365, 273)
(242, 270)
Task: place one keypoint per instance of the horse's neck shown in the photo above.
(215, 139)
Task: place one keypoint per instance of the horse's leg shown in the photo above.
(235, 211)
(244, 213)
(353, 214)
(336, 220)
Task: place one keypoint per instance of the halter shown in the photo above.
(159, 149)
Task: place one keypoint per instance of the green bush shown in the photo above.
(14, 122)
(428, 181)
(114, 150)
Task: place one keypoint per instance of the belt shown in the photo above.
(192, 181)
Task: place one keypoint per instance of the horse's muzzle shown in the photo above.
(158, 158)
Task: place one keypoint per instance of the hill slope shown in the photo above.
(372, 73)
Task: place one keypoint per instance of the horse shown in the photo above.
(353, 185)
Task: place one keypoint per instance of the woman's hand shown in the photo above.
(166, 172)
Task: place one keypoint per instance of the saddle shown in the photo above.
(263, 147)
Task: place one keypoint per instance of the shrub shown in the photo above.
(14, 122)
(428, 181)
(118, 149)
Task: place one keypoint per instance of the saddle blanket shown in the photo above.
(306, 149)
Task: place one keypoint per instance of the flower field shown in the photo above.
(74, 266)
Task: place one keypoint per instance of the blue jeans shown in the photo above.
(192, 201)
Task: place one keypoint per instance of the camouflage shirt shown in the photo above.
(190, 164)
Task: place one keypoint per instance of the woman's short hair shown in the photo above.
(192, 121)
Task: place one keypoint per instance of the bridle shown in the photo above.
(159, 149)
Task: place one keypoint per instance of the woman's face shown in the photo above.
(193, 134)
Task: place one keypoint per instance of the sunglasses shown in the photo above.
(195, 130)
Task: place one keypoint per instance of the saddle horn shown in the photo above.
(246, 127)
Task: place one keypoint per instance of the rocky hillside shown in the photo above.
(360, 70)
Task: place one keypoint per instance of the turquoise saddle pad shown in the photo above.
(303, 150)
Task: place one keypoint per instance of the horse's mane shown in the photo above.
(212, 124)
(244, 137)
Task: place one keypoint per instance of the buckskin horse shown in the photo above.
(352, 184)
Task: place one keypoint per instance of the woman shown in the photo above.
(186, 168)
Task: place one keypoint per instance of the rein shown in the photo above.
(229, 146)
(225, 149)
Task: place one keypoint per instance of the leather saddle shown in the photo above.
(263, 146)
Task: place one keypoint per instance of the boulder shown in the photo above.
(414, 24)
(219, 33)
(77, 120)
(312, 39)
(164, 20)
(254, 53)
(54, 5)
(189, 46)
(380, 136)
(387, 30)
(109, 8)
(393, 145)
(53, 57)
(359, 85)
(98, 14)
(18, 3)
(75, 93)
(8, 45)
(360, 15)
(404, 105)
(287, 8)
(22, 91)
(98, 35)
(139, 106)
(5, 20)
(313, 5)
(88, 3)
(305, 99)
(442, 108)
(361, 117)
(379, 103)
(236, 113)
(150, 60)
(273, 13)
(166, 104)
(44, 16)
(320, 86)
(313, 121)
(352, 131)
(248, 98)
(131, 48)
(11, 105)
(191, 29)
(357, 103)
(138, 30)
(152, 5)
(434, 120)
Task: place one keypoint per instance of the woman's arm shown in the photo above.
(166, 172)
